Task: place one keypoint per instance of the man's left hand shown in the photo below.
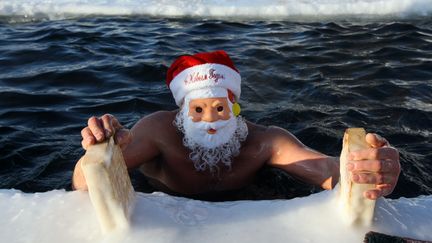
(377, 165)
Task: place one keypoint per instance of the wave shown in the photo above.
(243, 9)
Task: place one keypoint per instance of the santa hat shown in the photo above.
(203, 75)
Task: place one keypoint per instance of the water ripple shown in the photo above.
(314, 79)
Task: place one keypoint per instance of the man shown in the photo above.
(206, 147)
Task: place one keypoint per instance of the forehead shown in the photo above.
(209, 100)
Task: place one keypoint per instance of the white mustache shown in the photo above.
(203, 125)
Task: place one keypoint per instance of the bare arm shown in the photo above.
(144, 145)
(311, 166)
(98, 130)
(137, 144)
(378, 165)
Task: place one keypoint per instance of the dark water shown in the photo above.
(314, 79)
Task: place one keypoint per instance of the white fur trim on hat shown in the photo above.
(205, 76)
(212, 92)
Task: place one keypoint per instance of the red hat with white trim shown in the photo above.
(203, 75)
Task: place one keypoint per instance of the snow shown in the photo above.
(250, 9)
(61, 216)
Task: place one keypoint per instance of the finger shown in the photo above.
(376, 141)
(373, 194)
(86, 143)
(370, 178)
(116, 124)
(107, 125)
(379, 191)
(96, 128)
(386, 189)
(371, 165)
(374, 153)
(88, 138)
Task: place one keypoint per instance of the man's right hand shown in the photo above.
(100, 129)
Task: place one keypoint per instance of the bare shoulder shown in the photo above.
(157, 120)
(155, 126)
(149, 135)
(272, 134)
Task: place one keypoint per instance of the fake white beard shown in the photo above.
(207, 150)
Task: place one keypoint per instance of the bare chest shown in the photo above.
(178, 173)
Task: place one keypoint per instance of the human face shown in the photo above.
(209, 148)
(209, 110)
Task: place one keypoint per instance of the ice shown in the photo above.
(60, 216)
(255, 9)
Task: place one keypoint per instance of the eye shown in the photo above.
(220, 108)
(198, 109)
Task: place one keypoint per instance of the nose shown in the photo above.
(209, 115)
